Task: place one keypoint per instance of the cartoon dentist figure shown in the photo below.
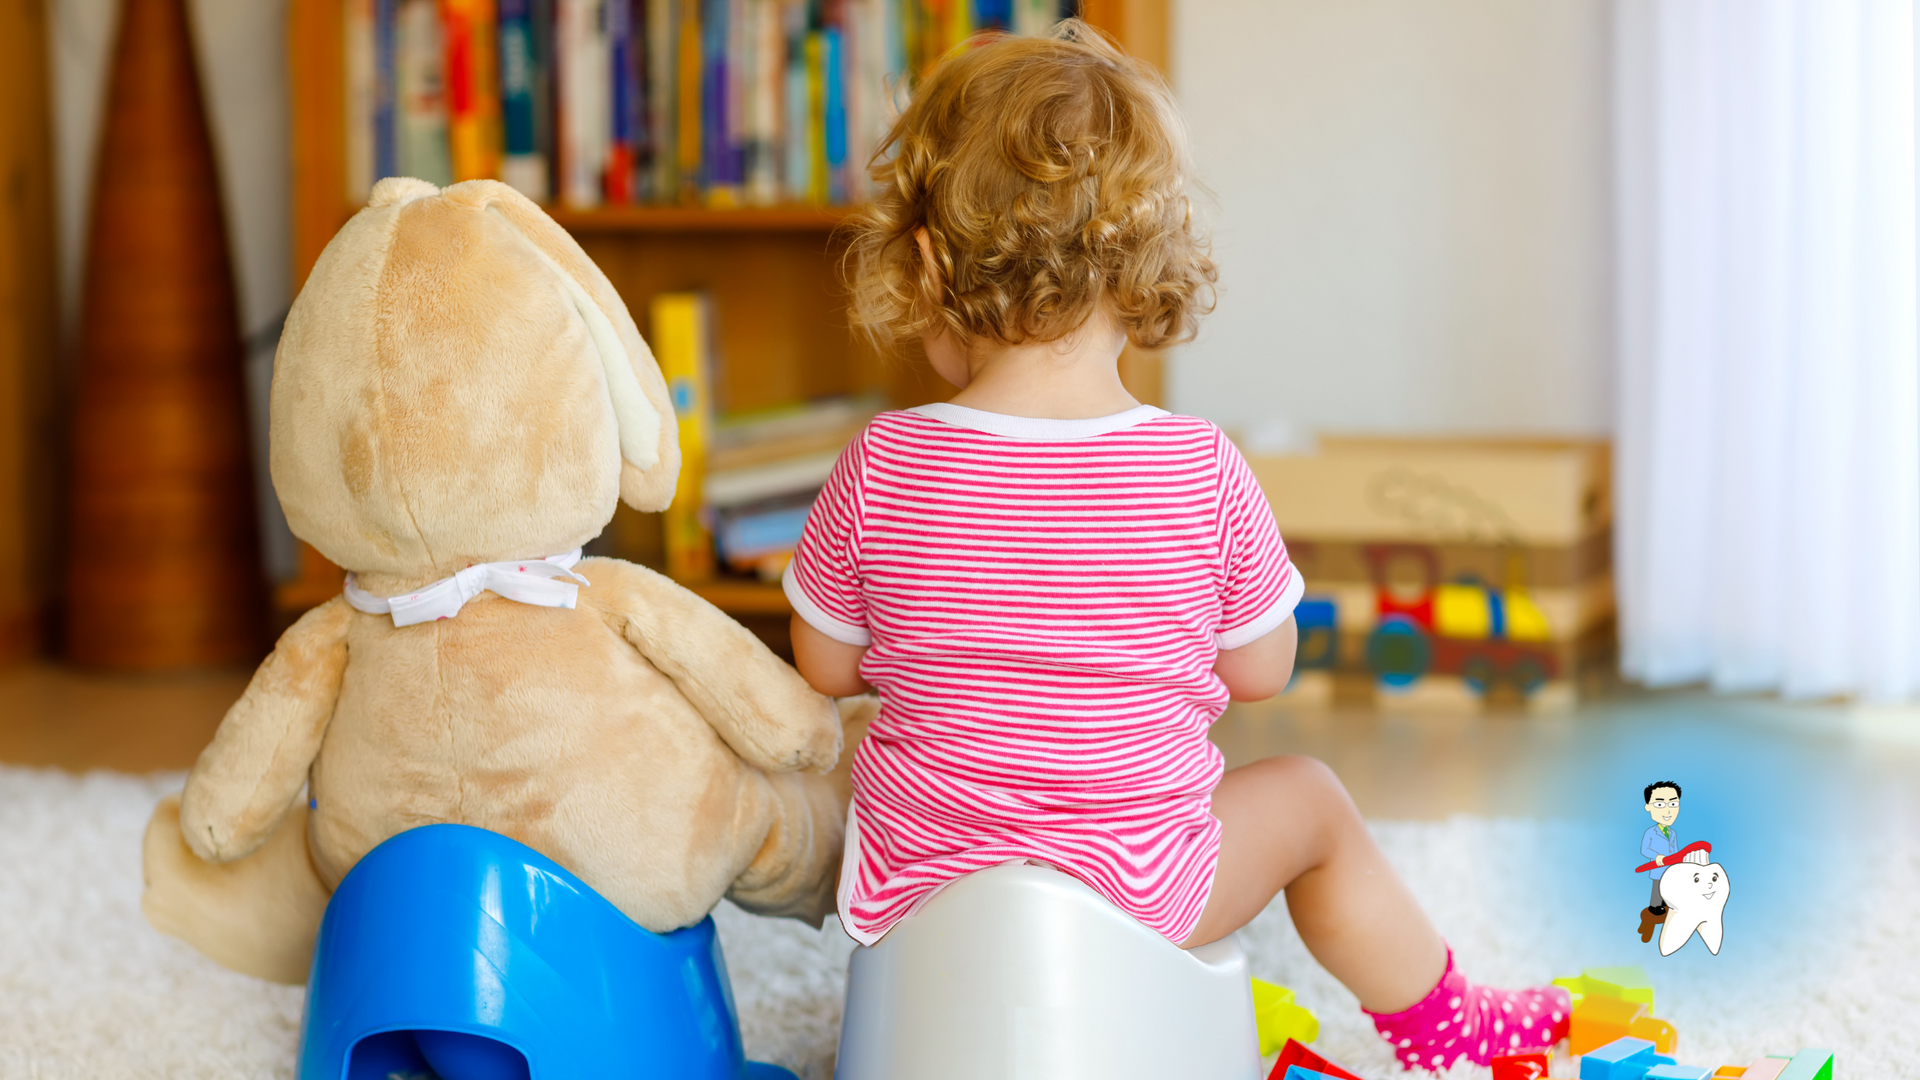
(1659, 844)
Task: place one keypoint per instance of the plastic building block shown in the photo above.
(1625, 1058)
(1295, 1072)
(457, 952)
(1624, 983)
(1809, 1065)
(1528, 1066)
(1598, 1021)
(1294, 1054)
(1766, 1068)
(1679, 1072)
(1729, 1072)
(1279, 1019)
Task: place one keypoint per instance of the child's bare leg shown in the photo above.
(1287, 823)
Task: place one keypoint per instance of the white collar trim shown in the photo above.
(548, 582)
(1034, 427)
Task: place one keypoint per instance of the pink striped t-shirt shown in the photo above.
(1043, 602)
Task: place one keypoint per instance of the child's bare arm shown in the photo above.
(829, 666)
(1259, 669)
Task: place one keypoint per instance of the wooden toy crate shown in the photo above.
(1449, 573)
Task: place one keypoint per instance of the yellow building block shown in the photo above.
(1624, 983)
(1279, 1019)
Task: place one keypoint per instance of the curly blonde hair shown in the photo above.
(1052, 177)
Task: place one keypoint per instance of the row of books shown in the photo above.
(747, 480)
(682, 102)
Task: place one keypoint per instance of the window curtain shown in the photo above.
(1768, 439)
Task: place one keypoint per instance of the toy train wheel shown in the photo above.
(1479, 674)
(1527, 674)
(1398, 651)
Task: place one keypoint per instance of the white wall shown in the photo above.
(1412, 213)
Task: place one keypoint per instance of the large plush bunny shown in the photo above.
(459, 399)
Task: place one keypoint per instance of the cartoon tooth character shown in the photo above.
(1659, 843)
(1695, 893)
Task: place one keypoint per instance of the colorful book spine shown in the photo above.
(680, 332)
(817, 184)
(716, 138)
(796, 149)
(421, 92)
(767, 47)
(473, 92)
(834, 113)
(386, 159)
(546, 93)
(662, 118)
(586, 100)
(868, 76)
(361, 90)
(623, 149)
(738, 61)
(695, 102)
(690, 111)
(523, 164)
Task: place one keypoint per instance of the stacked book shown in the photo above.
(748, 480)
(763, 471)
(676, 102)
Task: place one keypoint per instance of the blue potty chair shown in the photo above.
(456, 953)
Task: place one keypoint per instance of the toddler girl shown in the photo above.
(1055, 589)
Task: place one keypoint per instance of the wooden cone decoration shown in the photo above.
(165, 569)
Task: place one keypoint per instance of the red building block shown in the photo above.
(1529, 1066)
(1295, 1053)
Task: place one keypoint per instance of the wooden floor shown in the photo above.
(1413, 766)
(78, 721)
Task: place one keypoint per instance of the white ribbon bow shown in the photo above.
(548, 582)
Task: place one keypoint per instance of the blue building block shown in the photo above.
(1679, 1072)
(1809, 1065)
(1625, 1058)
(1297, 1072)
(456, 952)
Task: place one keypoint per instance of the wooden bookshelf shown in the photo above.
(783, 333)
(743, 596)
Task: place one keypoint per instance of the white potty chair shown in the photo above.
(1024, 973)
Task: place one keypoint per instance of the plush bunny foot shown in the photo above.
(1459, 1020)
(256, 915)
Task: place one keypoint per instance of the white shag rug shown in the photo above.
(88, 990)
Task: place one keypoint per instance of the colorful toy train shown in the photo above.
(1487, 636)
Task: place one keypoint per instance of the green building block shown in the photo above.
(1809, 1065)
(1623, 983)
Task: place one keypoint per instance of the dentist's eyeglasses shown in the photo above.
(1663, 804)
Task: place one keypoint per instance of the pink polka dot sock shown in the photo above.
(1460, 1020)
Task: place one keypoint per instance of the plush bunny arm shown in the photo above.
(762, 707)
(248, 776)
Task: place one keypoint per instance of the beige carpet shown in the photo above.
(87, 990)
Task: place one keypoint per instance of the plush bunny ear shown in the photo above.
(643, 414)
(638, 420)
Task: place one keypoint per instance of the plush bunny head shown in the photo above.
(458, 383)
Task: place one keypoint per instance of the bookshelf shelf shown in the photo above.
(699, 219)
(742, 597)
